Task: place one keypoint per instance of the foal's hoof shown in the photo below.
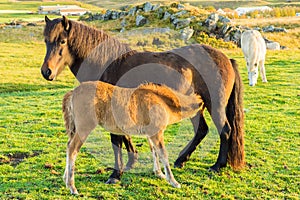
(176, 184)
(112, 181)
(74, 191)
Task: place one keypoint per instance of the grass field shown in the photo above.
(33, 139)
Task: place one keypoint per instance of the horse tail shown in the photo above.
(67, 109)
(235, 116)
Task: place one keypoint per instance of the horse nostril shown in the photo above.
(48, 72)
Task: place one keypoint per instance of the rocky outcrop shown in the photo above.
(178, 17)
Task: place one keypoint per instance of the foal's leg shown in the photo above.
(132, 152)
(201, 130)
(158, 142)
(74, 145)
(263, 71)
(156, 166)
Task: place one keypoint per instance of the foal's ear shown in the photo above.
(65, 23)
(47, 19)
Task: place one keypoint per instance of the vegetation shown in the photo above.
(33, 140)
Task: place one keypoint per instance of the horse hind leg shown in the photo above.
(159, 146)
(224, 147)
(156, 166)
(201, 130)
(132, 153)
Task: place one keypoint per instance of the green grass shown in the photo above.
(33, 140)
(32, 7)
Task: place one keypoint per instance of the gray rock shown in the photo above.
(123, 22)
(167, 15)
(236, 37)
(155, 7)
(273, 45)
(31, 24)
(210, 24)
(140, 20)
(181, 23)
(157, 41)
(280, 30)
(180, 13)
(180, 6)
(186, 33)
(107, 15)
(122, 30)
(225, 29)
(140, 43)
(132, 11)
(147, 7)
(269, 28)
(114, 15)
(98, 16)
(224, 20)
(122, 14)
(214, 17)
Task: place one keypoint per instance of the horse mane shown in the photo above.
(84, 39)
(96, 46)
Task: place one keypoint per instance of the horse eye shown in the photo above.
(63, 42)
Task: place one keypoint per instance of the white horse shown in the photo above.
(254, 49)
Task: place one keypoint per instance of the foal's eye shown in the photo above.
(62, 42)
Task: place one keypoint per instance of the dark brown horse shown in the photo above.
(93, 55)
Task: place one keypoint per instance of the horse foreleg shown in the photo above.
(132, 152)
(158, 142)
(116, 141)
(156, 166)
(73, 148)
(201, 130)
(263, 71)
(224, 146)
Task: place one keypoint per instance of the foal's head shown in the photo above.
(58, 55)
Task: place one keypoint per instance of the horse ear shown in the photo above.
(47, 19)
(65, 23)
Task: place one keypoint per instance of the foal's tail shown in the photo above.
(67, 109)
(235, 116)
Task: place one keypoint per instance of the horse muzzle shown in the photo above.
(46, 74)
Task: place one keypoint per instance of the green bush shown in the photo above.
(203, 38)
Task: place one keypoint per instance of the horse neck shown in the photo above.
(93, 51)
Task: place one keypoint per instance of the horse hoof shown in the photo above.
(176, 185)
(74, 191)
(214, 168)
(112, 181)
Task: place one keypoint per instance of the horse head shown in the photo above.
(252, 74)
(58, 55)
